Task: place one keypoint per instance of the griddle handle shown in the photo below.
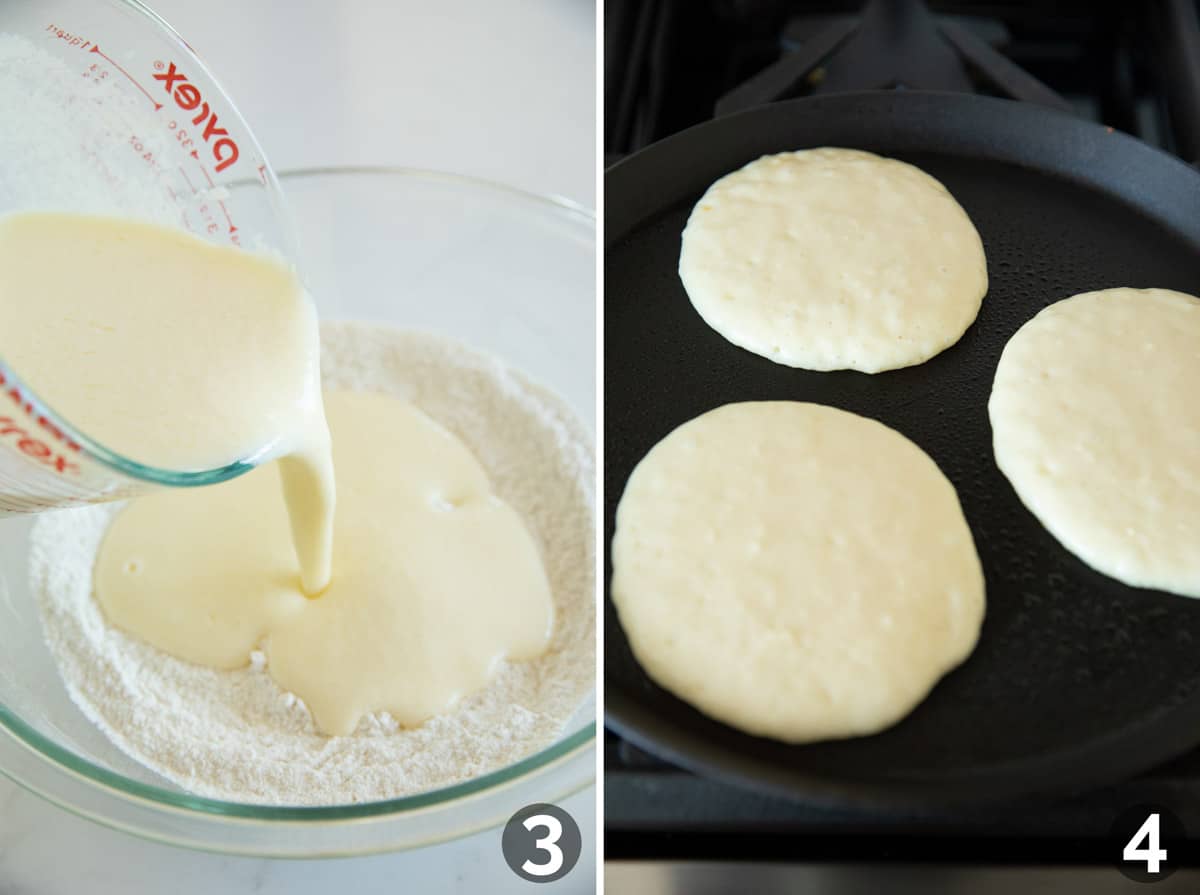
(999, 69)
(782, 78)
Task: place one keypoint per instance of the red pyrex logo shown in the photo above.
(26, 440)
(187, 97)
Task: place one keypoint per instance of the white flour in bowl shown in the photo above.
(236, 735)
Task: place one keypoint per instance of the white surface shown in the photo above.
(499, 90)
(504, 90)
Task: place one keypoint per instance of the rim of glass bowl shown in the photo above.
(185, 803)
(102, 454)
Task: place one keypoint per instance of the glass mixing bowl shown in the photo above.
(496, 268)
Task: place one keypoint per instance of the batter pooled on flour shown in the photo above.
(237, 734)
(435, 578)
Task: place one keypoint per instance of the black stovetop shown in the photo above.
(670, 64)
(674, 63)
(655, 810)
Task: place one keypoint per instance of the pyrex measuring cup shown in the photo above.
(104, 109)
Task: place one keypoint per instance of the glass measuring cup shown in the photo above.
(107, 110)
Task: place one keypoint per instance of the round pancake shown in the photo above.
(832, 259)
(794, 570)
(1096, 424)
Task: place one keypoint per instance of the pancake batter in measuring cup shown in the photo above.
(189, 356)
(174, 353)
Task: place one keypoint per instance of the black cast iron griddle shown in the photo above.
(1077, 680)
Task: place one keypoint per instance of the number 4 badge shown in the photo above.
(1146, 843)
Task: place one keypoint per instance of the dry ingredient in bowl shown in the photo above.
(237, 735)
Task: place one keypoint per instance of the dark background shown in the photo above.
(1125, 64)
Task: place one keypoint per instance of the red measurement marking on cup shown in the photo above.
(211, 226)
(186, 178)
(186, 143)
(73, 40)
(147, 155)
(96, 73)
(27, 441)
(228, 219)
(220, 202)
(134, 81)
